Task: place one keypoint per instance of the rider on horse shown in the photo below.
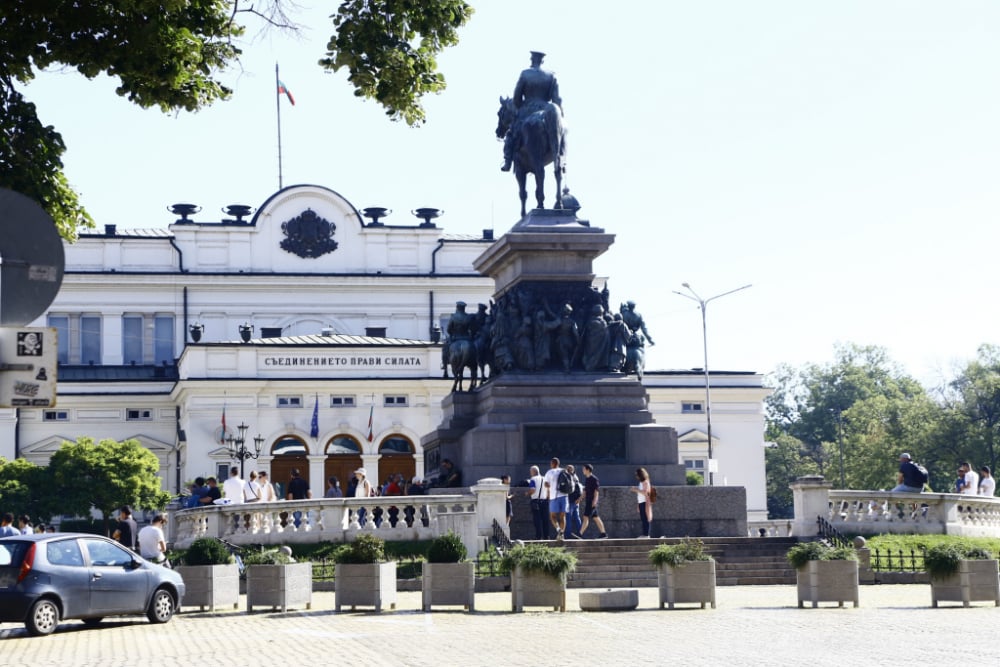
(536, 90)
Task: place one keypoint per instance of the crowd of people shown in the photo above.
(913, 477)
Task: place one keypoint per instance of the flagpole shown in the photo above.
(277, 99)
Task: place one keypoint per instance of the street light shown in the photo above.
(237, 446)
(704, 338)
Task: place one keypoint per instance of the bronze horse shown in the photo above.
(462, 355)
(540, 141)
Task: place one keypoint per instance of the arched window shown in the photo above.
(289, 446)
(343, 444)
(396, 457)
(395, 445)
(289, 452)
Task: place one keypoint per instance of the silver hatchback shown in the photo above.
(48, 577)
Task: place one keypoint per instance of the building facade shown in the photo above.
(314, 328)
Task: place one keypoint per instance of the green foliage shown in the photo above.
(389, 48)
(366, 548)
(447, 548)
(25, 488)
(105, 476)
(266, 557)
(163, 53)
(694, 479)
(677, 554)
(207, 551)
(918, 543)
(554, 561)
(803, 552)
(942, 560)
(82, 526)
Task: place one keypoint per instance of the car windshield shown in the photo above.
(12, 552)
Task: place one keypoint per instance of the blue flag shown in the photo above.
(314, 431)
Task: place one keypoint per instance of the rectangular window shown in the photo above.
(270, 332)
(375, 332)
(342, 402)
(395, 401)
(90, 339)
(692, 407)
(163, 339)
(289, 401)
(134, 415)
(132, 339)
(55, 416)
(221, 472)
(698, 465)
(61, 324)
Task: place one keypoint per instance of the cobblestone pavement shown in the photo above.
(752, 625)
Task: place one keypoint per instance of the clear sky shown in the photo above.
(843, 157)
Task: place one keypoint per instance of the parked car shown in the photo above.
(48, 577)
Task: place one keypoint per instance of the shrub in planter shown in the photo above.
(962, 573)
(824, 573)
(685, 573)
(210, 576)
(363, 577)
(679, 554)
(538, 575)
(447, 580)
(447, 548)
(275, 580)
(207, 551)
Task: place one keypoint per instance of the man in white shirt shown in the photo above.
(987, 485)
(558, 500)
(152, 543)
(970, 482)
(539, 503)
(232, 489)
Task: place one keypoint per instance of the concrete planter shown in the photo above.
(828, 581)
(449, 584)
(366, 584)
(976, 580)
(210, 586)
(281, 586)
(536, 589)
(691, 582)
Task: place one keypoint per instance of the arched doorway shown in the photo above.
(396, 456)
(343, 457)
(290, 452)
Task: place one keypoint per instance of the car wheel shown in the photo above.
(161, 607)
(43, 618)
(93, 621)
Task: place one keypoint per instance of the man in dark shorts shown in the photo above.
(591, 494)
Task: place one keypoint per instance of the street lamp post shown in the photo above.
(704, 339)
(238, 449)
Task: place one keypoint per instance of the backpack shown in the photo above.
(565, 483)
(922, 474)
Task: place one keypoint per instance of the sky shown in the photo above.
(842, 158)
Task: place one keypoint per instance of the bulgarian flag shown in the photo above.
(371, 414)
(282, 88)
(222, 436)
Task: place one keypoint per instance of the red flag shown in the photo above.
(284, 89)
(222, 436)
(371, 434)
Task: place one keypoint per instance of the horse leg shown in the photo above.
(557, 171)
(522, 188)
(540, 187)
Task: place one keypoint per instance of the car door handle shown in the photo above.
(97, 575)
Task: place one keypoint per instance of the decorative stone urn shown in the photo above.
(210, 586)
(281, 586)
(827, 581)
(692, 582)
(366, 584)
(449, 584)
(537, 589)
(975, 581)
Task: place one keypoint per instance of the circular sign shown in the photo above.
(32, 259)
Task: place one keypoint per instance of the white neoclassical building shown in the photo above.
(315, 327)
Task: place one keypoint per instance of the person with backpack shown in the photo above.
(573, 521)
(911, 477)
(559, 485)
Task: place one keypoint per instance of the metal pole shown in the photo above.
(277, 99)
(702, 303)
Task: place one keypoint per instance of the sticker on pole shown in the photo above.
(28, 367)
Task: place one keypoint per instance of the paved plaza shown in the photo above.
(752, 625)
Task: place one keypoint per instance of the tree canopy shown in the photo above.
(171, 54)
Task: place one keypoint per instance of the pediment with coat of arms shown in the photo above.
(308, 235)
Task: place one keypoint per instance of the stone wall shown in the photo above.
(680, 511)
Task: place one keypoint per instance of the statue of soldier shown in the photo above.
(460, 324)
(595, 341)
(619, 336)
(634, 320)
(536, 90)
